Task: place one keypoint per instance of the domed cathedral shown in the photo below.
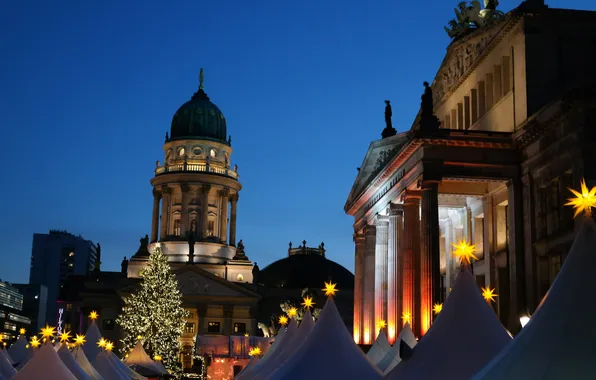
(195, 193)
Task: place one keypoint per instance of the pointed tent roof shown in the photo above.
(138, 356)
(305, 328)
(84, 363)
(93, 336)
(7, 371)
(18, 350)
(379, 349)
(392, 358)
(7, 355)
(465, 336)
(46, 365)
(328, 352)
(247, 367)
(558, 342)
(106, 368)
(272, 353)
(121, 366)
(72, 365)
(28, 356)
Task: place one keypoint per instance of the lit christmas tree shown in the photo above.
(155, 313)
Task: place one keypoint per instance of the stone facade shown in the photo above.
(516, 104)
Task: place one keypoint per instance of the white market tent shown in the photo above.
(559, 341)
(464, 337)
(7, 355)
(247, 367)
(123, 368)
(7, 371)
(289, 348)
(30, 352)
(284, 336)
(72, 365)
(379, 349)
(84, 363)
(138, 357)
(107, 369)
(92, 337)
(45, 364)
(393, 355)
(328, 352)
(18, 350)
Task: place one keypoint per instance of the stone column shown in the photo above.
(233, 200)
(204, 209)
(488, 240)
(449, 240)
(223, 214)
(430, 253)
(411, 252)
(529, 238)
(381, 271)
(228, 311)
(359, 268)
(165, 212)
(368, 301)
(394, 273)
(202, 316)
(184, 221)
(516, 254)
(155, 216)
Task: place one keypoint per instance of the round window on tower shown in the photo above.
(197, 151)
(181, 152)
(213, 153)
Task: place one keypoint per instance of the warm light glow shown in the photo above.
(35, 342)
(80, 340)
(583, 201)
(102, 342)
(246, 335)
(356, 337)
(64, 337)
(283, 320)
(367, 336)
(391, 333)
(406, 317)
(22, 331)
(4, 344)
(330, 289)
(437, 308)
(254, 351)
(308, 302)
(381, 324)
(157, 357)
(524, 319)
(109, 346)
(488, 294)
(139, 337)
(292, 312)
(48, 332)
(464, 251)
(93, 316)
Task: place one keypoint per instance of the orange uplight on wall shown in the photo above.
(425, 320)
(391, 332)
(367, 336)
(356, 336)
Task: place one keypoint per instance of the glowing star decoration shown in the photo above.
(283, 320)
(406, 316)
(246, 335)
(254, 351)
(35, 342)
(48, 332)
(583, 201)
(437, 308)
(488, 294)
(93, 316)
(64, 337)
(330, 289)
(292, 312)
(464, 251)
(80, 340)
(102, 343)
(308, 302)
(22, 331)
(381, 324)
(139, 337)
(109, 346)
(157, 357)
(1, 338)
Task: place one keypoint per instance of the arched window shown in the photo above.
(177, 227)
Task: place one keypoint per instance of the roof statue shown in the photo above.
(428, 121)
(468, 18)
(389, 130)
(201, 79)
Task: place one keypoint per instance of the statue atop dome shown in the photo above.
(201, 79)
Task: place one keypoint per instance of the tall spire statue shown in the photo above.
(201, 79)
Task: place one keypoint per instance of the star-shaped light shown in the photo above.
(330, 289)
(157, 357)
(35, 342)
(64, 337)
(283, 320)
(583, 201)
(93, 315)
(488, 294)
(406, 316)
(292, 312)
(22, 331)
(246, 335)
(102, 342)
(1, 338)
(139, 337)
(80, 340)
(254, 351)
(48, 332)
(109, 346)
(308, 302)
(437, 308)
(464, 251)
(381, 324)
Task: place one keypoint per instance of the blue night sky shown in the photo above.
(89, 90)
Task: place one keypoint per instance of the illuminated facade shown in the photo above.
(509, 128)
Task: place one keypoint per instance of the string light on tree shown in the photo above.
(489, 294)
(437, 308)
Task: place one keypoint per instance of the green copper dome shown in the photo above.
(199, 118)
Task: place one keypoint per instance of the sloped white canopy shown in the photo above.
(92, 336)
(393, 358)
(84, 363)
(559, 341)
(6, 355)
(465, 336)
(284, 336)
(30, 352)
(289, 348)
(45, 364)
(57, 346)
(250, 364)
(122, 367)
(159, 365)
(72, 365)
(18, 350)
(379, 349)
(328, 352)
(7, 371)
(107, 369)
(138, 356)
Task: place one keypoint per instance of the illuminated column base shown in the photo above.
(368, 301)
(359, 272)
(430, 276)
(394, 299)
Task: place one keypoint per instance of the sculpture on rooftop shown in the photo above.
(471, 17)
(389, 130)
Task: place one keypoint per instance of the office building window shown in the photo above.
(213, 328)
(240, 328)
(68, 307)
(189, 328)
(10, 326)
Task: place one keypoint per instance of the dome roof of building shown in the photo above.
(199, 118)
(300, 271)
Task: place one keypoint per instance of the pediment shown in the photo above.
(379, 154)
(197, 282)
